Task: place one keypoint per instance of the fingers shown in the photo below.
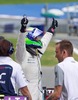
(55, 22)
(24, 20)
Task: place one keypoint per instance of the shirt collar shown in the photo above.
(69, 59)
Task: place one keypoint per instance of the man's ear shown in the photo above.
(64, 52)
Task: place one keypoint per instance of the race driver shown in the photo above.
(29, 50)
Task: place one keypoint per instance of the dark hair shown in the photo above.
(67, 45)
(6, 48)
(1, 37)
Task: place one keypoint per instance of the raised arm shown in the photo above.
(20, 47)
(48, 35)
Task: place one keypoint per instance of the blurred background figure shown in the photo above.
(73, 26)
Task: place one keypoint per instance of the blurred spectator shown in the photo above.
(73, 26)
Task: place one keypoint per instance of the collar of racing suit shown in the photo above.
(33, 51)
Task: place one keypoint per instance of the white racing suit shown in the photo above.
(31, 64)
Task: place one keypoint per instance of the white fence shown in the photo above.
(11, 24)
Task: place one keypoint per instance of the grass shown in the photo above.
(33, 1)
(48, 59)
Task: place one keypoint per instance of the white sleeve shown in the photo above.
(20, 48)
(45, 41)
(20, 78)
